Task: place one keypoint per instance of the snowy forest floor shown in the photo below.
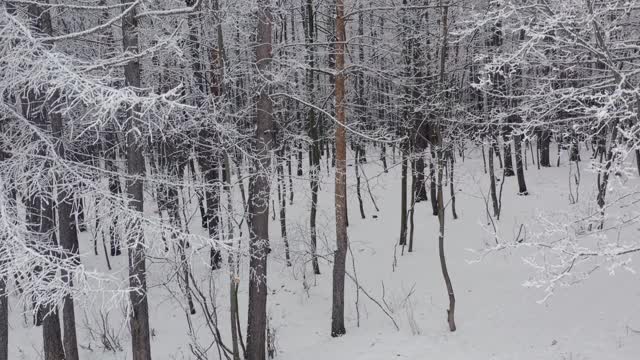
(497, 317)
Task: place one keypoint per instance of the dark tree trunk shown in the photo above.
(139, 317)
(432, 183)
(383, 157)
(203, 211)
(40, 213)
(451, 185)
(403, 199)
(313, 124)
(492, 186)
(4, 319)
(545, 146)
(420, 186)
(211, 173)
(68, 237)
(358, 192)
(412, 207)
(4, 296)
(259, 195)
(508, 160)
(517, 147)
(282, 197)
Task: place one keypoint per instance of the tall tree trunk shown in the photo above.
(68, 237)
(444, 4)
(139, 317)
(40, 213)
(9, 194)
(4, 318)
(340, 255)
(259, 194)
(314, 152)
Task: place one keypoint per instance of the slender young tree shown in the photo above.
(444, 5)
(313, 123)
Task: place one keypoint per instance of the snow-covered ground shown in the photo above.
(497, 317)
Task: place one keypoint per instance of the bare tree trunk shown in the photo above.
(403, 198)
(414, 193)
(358, 192)
(68, 237)
(259, 194)
(4, 295)
(203, 211)
(67, 232)
(441, 163)
(484, 159)
(603, 175)
(139, 317)
(545, 145)
(342, 241)
(432, 182)
(4, 319)
(314, 152)
(517, 147)
(508, 159)
(383, 157)
(282, 198)
(40, 213)
(451, 185)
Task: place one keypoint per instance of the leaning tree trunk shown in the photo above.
(259, 188)
(340, 255)
(139, 317)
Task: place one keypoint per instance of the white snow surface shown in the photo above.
(497, 317)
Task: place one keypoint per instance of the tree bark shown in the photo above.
(403, 199)
(340, 255)
(139, 317)
(508, 160)
(441, 163)
(544, 138)
(314, 152)
(259, 188)
(517, 147)
(68, 237)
